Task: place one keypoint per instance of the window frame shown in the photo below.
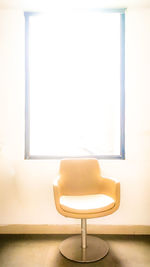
(27, 154)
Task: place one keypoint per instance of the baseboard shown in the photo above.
(74, 229)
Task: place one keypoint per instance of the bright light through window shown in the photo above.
(73, 84)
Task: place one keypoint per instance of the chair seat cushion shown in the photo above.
(87, 203)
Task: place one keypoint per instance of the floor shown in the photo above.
(42, 251)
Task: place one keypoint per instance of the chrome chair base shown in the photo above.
(96, 249)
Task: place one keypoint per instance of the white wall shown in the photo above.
(27, 197)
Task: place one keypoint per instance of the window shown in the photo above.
(74, 67)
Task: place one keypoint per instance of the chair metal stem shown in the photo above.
(83, 233)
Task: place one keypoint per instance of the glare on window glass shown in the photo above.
(74, 66)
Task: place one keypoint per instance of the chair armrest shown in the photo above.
(56, 188)
(111, 187)
(56, 181)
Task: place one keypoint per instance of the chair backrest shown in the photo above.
(79, 176)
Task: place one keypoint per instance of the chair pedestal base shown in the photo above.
(96, 249)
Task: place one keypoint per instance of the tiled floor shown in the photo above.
(42, 251)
